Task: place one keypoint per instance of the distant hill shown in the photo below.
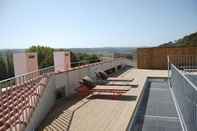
(4, 51)
(105, 50)
(186, 41)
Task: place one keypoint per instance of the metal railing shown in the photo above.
(33, 76)
(21, 88)
(24, 78)
(79, 63)
(185, 92)
(187, 63)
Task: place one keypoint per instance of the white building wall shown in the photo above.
(44, 106)
(69, 80)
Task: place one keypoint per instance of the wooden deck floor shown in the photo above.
(99, 112)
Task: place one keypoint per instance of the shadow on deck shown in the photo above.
(60, 117)
(112, 97)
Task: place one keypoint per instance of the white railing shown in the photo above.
(185, 92)
(32, 77)
(187, 63)
(67, 80)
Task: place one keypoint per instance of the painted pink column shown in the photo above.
(67, 60)
(25, 63)
(62, 60)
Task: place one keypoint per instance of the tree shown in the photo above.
(6, 65)
(93, 58)
(89, 58)
(3, 71)
(45, 55)
(9, 64)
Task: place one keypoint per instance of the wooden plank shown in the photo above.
(156, 58)
(112, 87)
(104, 114)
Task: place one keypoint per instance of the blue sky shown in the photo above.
(94, 23)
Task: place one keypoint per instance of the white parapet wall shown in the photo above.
(45, 104)
(69, 80)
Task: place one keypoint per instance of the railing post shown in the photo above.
(168, 60)
(168, 64)
(1, 87)
(66, 90)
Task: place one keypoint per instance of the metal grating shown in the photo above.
(156, 111)
(157, 124)
(192, 77)
(185, 91)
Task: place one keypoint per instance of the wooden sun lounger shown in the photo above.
(115, 90)
(103, 76)
(108, 87)
(117, 83)
(119, 79)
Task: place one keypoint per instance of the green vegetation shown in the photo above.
(3, 69)
(45, 55)
(45, 59)
(83, 58)
(186, 41)
(6, 65)
(87, 57)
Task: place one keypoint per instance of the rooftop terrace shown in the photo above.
(100, 111)
(50, 100)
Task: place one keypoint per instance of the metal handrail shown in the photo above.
(185, 91)
(21, 79)
(185, 77)
(186, 63)
(37, 81)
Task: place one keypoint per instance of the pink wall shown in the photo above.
(25, 63)
(62, 60)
